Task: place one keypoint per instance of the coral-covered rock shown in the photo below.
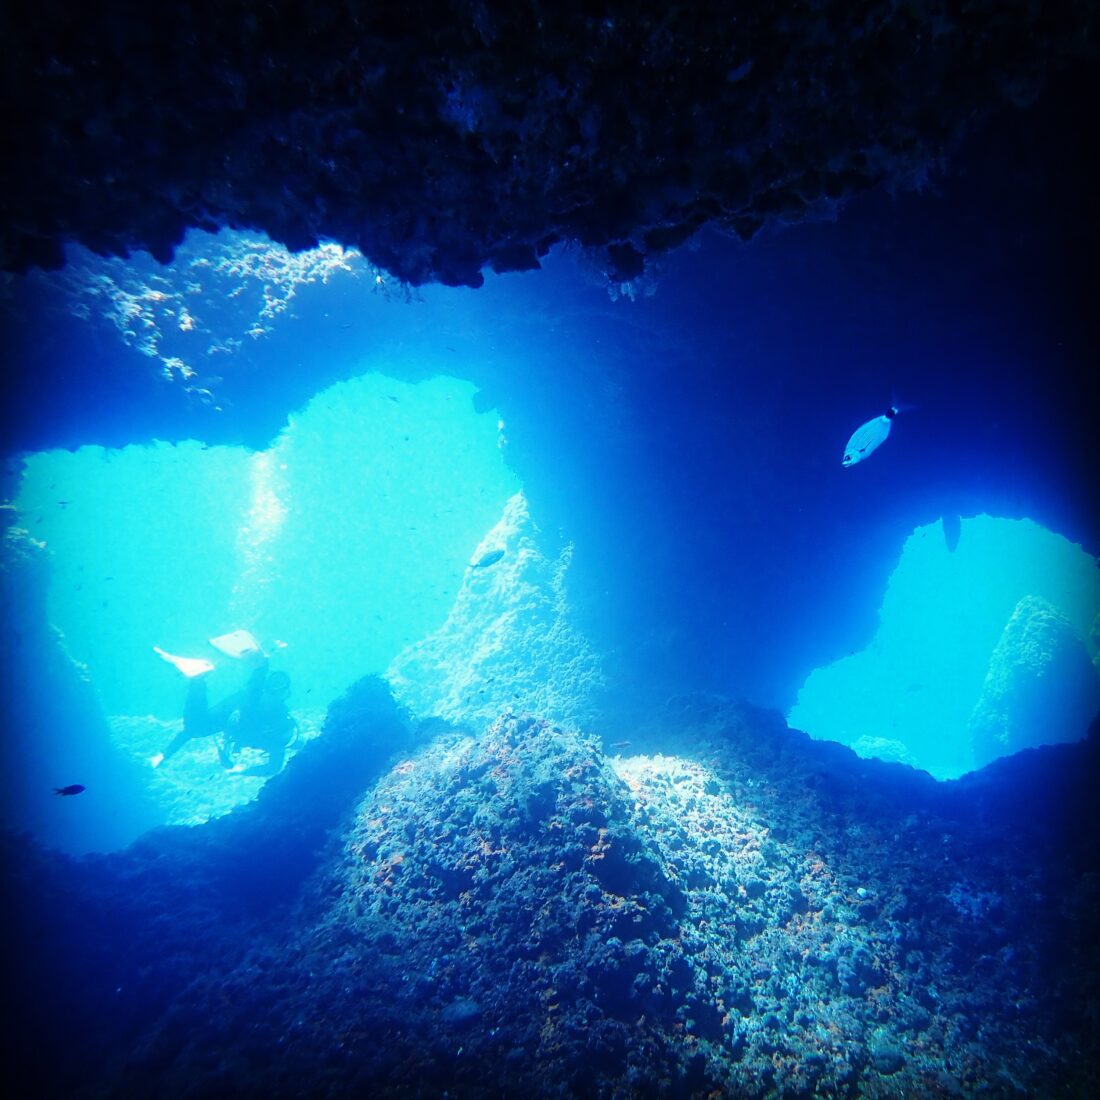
(509, 643)
(753, 912)
(1041, 687)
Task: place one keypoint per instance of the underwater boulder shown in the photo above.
(1040, 688)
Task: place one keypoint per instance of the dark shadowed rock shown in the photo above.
(442, 142)
(54, 728)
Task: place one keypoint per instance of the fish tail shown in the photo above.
(897, 406)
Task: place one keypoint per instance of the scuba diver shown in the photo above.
(256, 717)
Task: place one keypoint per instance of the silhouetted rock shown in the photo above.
(97, 948)
(55, 732)
(479, 135)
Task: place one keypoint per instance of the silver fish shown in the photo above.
(868, 437)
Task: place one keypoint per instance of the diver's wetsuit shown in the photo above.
(249, 718)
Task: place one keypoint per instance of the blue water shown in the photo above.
(304, 449)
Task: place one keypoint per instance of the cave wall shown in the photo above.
(464, 135)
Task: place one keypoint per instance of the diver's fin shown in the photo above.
(189, 666)
(241, 645)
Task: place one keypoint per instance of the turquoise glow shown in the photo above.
(909, 695)
(338, 546)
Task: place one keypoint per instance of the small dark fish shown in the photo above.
(620, 744)
(490, 557)
(72, 788)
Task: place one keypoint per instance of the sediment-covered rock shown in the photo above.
(517, 912)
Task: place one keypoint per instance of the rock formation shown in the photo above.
(1041, 687)
(508, 643)
(479, 135)
(519, 913)
(55, 732)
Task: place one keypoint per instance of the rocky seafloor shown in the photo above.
(720, 906)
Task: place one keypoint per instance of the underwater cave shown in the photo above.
(550, 551)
